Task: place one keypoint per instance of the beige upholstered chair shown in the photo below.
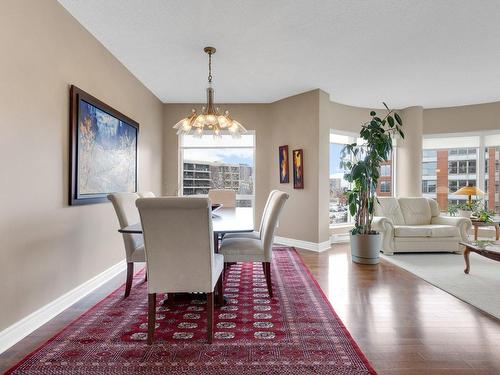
(254, 234)
(180, 255)
(124, 204)
(146, 194)
(257, 249)
(221, 196)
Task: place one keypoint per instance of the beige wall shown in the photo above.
(47, 247)
(466, 118)
(295, 122)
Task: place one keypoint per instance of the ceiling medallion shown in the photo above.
(210, 121)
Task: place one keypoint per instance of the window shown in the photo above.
(385, 186)
(468, 159)
(225, 163)
(431, 154)
(338, 205)
(385, 170)
(429, 168)
(471, 167)
(429, 186)
(338, 210)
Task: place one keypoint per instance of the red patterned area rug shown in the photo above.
(296, 332)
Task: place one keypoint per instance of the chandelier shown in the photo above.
(210, 121)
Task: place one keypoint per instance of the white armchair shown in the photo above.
(415, 225)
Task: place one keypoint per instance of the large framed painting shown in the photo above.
(284, 165)
(103, 150)
(298, 169)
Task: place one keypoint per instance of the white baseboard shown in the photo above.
(306, 245)
(19, 330)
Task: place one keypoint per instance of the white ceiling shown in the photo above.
(423, 52)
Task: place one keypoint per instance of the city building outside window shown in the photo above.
(224, 163)
(452, 161)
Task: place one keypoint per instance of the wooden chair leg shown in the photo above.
(220, 291)
(210, 317)
(146, 277)
(267, 267)
(130, 277)
(151, 317)
(264, 269)
(170, 299)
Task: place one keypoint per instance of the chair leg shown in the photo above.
(220, 291)
(267, 267)
(210, 317)
(264, 269)
(130, 277)
(151, 317)
(146, 277)
(170, 299)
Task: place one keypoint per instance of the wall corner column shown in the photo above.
(409, 154)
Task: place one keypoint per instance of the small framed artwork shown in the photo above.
(298, 169)
(284, 165)
(103, 150)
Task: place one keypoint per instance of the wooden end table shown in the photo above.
(488, 249)
(494, 223)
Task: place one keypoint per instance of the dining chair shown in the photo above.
(126, 211)
(146, 194)
(254, 234)
(225, 197)
(257, 249)
(180, 256)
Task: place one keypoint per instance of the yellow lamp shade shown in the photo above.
(469, 190)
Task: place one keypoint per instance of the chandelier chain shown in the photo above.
(209, 68)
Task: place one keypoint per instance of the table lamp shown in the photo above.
(469, 191)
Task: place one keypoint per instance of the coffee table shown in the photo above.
(494, 223)
(488, 249)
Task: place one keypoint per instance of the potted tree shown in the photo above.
(362, 162)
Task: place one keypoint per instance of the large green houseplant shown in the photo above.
(362, 162)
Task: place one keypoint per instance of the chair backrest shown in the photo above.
(222, 196)
(146, 194)
(127, 213)
(178, 240)
(264, 212)
(276, 204)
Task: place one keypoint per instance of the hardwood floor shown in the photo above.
(403, 324)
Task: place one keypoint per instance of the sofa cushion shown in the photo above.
(445, 231)
(436, 231)
(434, 207)
(416, 211)
(389, 207)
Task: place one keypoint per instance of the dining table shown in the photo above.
(224, 220)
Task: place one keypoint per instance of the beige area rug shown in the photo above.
(481, 287)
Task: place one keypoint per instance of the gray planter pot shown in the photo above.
(365, 248)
